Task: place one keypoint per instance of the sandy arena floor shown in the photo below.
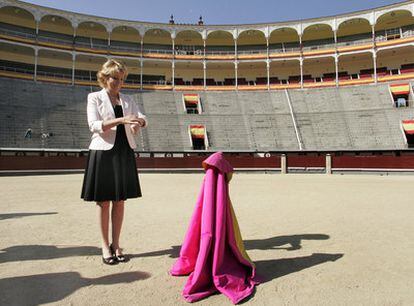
(316, 240)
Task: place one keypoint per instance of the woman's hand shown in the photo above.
(135, 127)
(131, 119)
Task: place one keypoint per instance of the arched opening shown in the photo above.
(354, 30)
(355, 66)
(393, 24)
(252, 73)
(317, 70)
(285, 72)
(284, 40)
(17, 59)
(251, 41)
(220, 73)
(18, 22)
(53, 64)
(91, 35)
(56, 29)
(157, 41)
(395, 61)
(189, 43)
(156, 73)
(125, 38)
(189, 73)
(219, 42)
(318, 36)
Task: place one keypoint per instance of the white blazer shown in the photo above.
(100, 109)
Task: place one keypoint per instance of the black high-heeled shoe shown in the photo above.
(109, 260)
(119, 258)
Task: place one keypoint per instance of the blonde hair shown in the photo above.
(110, 68)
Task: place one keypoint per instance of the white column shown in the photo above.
(235, 63)
(328, 164)
(301, 61)
(173, 63)
(74, 35)
(173, 47)
(236, 74)
(267, 63)
(268, 73)
(374, 58)
(173, 74)
(37, 28)
(35, 66)
(141, 61)
(109, 40)
(373, 33)
(204, 74)
(336, 70)
(73, 67)
(141, 72)
(283, 164)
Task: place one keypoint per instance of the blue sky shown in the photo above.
(214, 11)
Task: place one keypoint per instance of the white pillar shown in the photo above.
(204, 74)
(328, 164)
(336, 70)
(235, 73)
(35, 66)
(173, 63)
(173, 74)
(373, 33)
(74, 35)
(267, 63)
(301, 71)
(283, 164)
(235, 62)
(73, 67)
(268, 73)
(141, 72)
(374, 58)
(141, 61)
(37, 28)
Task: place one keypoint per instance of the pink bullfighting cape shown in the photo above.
(213, 252)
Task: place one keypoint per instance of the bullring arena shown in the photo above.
(316, 116)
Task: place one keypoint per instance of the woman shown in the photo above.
(111, 173)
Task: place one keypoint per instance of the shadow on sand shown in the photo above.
(53, 287)
(22, 215)
(291, 243)
(41, 252)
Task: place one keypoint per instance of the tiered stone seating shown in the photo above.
(344, 118)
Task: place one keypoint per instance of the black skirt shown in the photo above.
(112, 175)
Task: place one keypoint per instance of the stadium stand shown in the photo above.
(330, 83)
(353, 117)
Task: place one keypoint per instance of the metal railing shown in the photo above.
(387, 35)
(16, 69)
(55, 40)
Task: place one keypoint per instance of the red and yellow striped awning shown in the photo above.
(191, 98)
(408, 126)
(197, 131)
(400, 89)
